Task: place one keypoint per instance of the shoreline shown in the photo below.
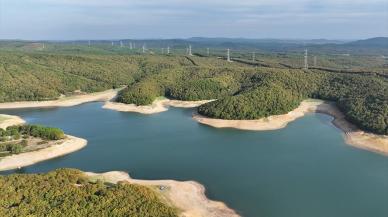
(159, 105)
(69, 145)
(353, 135)
(10, 120)
(64, 101)
(188, 196)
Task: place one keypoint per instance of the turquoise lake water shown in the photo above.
(304, 170)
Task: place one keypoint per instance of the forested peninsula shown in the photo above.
(71, 192)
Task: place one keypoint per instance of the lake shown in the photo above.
(303, 170)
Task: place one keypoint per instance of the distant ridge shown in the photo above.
(371, 42)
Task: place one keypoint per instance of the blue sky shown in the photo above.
(116, 19)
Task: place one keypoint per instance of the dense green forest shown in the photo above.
(254, 92)
(244, 89)
(68, 192)
(49, 133)
(42, 77)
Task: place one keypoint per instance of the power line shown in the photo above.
(306, 64)
(190, 54)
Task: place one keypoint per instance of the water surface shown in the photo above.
(304, 170)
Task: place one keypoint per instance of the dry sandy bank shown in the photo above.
(189, 196)
(10, 120)
(69, 145)
(353, 135)
(64, 101)
(159, 105)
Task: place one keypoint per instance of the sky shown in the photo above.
(135, 19)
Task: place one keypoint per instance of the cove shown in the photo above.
(303, 170)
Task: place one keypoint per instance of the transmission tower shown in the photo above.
(306, 64)
(168, 50)
(190, 54)
(144, 48)
(228, 55)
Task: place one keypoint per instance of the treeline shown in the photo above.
(48, 133)
(68, 192)
(363, 99)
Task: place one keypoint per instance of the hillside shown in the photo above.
(371, 42)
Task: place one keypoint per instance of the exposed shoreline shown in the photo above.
(10, 120)
(69, 145)
(352, 134)
(159, 105)
(188, 196)
(63, 102)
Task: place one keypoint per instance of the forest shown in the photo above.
(68, 192)
(255, 92)
(244, 89)
(49, 133)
